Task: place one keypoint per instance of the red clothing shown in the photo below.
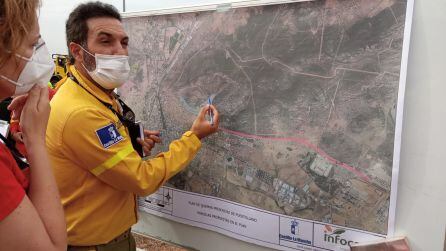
(14, 127)
(13, 183)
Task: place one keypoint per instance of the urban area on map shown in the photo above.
(307, 94)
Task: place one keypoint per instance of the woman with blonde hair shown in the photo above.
(31, 215)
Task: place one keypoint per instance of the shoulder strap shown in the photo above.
(21, 161)
(7, 142)
(123, 120)
(128, 120)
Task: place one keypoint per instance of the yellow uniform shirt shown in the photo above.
(96, 168)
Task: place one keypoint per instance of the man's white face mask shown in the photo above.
(38, 70)
(111, 72)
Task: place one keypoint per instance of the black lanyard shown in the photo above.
(128, 117)
(18, 157)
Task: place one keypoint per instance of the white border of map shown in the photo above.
(208, 7)
(251, 224)
(232, 216)
(399, 117)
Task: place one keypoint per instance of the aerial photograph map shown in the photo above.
(307, 94)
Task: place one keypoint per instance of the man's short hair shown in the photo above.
(76, 26)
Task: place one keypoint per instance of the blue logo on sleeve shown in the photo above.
(108, 135)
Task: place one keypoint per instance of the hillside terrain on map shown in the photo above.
(307, 94)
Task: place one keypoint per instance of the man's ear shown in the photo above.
(76, 52)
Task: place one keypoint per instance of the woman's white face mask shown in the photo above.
(38, 70)
(111, 72)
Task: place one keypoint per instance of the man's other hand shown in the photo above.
(150, 139)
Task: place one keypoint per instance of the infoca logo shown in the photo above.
(335, 236)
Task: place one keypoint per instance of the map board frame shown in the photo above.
(398, 120)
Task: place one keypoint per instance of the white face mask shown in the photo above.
(111, 72)
(38, 70)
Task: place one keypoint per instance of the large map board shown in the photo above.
(310, 96)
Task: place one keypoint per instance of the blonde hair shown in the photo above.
(17, 17)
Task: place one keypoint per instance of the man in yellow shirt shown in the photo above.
(97, 169)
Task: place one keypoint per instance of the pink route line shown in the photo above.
(306, 143)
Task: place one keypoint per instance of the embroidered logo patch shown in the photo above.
(108, 135)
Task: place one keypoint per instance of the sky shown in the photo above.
(52, 17)
(54, 13)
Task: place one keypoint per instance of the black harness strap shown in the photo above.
(19, 158)
(128, 120)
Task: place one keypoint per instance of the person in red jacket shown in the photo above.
(16, 132)
(31, 214)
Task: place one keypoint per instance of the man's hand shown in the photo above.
(150, 139)
(201, 127)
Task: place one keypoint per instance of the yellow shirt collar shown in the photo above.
(91, 87)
